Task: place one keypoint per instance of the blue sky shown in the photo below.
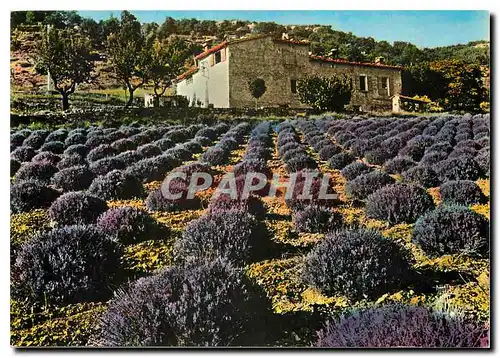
(423, 28)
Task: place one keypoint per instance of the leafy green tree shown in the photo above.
(128, 52)
(325, 93)
(257, 88)
(166, 61)
(66, 56)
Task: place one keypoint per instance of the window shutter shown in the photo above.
(223, 55)
(211, 60)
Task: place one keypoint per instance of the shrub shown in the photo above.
(431, 158)
(317, 219)
(215, 156)
(452, 230)
(357, 264)
(102, 151)
(292, 153)
(48, 157)
(23, 154)
(232, 235)
(421, 175)
(203, 141)
(462, 151)
(180, 153)
(76, 207)
(176, 135)
(152, 169)
(70, 161)
(360, 187)
(252, 205)
(228, 143)
(463, 168)
(397, 325)
(29, 195)
(54, 147)
(58, 135)
(76, 138)
(207, 305)
(78, 149)
(14, 167)
(300, 162)
(192, 147)
(41, 171)
(129, 157)
(164, 144)
(74, 178)
(399, 165)
(67, 265)
(439, 147)
(461, 192)
(105, 165)
(156, 201)
(398, 203)
(97, 140)
(296, 202)
(116, 185)
(16, 139)
(36, 139)
(122, 145)
(251, 166)
(149, 150)
(207, 132)
(354, 170)
(378, 156)
(483, 161)
(130, 225)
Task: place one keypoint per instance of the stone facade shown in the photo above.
(222, 80)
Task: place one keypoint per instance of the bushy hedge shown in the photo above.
(23, 153)
(215, 156)
(129, 225)
(328, 151)
(54, 147)
(317, 219)
(252, 205)
(156, 201)
(207, 305)
(29, 195)
(122, 145)
(363, 185)
(398, 165)
(452, 230)
(397, 325)
(76, 207)
(355, 169)
(398, 203)
(233, 235)
(421, 175)
(463, 168)
(461, 192)
(101, 151)
(78, 149)
(74, 178)
(105, 165)
(67, 265)
(116, 185)
(46, 157)
(70, 161)
(357, 264)
(483, 161)
(378, 156)
(149, 150)
(152, 169)
(14, 166)
(431, 158)
(41, 171)
(36, 139)
(296, 200)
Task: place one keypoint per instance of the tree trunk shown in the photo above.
(156, 101)
(65, 101)
(130, 97)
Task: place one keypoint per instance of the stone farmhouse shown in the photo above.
(221, 74)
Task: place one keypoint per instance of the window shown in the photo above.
(293, 86)
(385, 85)
(363, 83)
(218, 57)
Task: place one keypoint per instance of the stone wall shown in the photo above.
(279, 63)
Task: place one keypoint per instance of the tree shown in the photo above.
(127, 52)
(325, 93)
(66, 56)
(165, 62)
(257, 88)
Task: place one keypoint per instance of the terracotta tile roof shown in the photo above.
(187, 73)
(211, 50)
(341, 61)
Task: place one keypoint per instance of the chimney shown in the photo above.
(379, 60)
